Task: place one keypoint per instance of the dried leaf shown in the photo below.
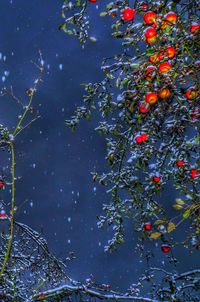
(155, 235)
(171, 227)
(177, 206)
(160, 221)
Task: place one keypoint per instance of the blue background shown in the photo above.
(55, 193)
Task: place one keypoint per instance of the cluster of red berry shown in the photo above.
(164, 66)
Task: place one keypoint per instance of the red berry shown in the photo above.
(150, 32)
(194, 29)
(3, 215)
(194, 173)
(92, 0)
(180, 163)
(171, 18)
(2, 184)
(144, 6)
(144, 137)
(165, 248)
(144, 107)
(128, 14)
(138, 139)
(151, 98)
(164, 67)
(170, 52)
(156, 179)
(147, 226)
(149, 18)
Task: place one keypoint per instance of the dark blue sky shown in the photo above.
(55, 165)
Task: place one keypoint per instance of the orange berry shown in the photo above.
(170, 52)
(164, 67)
(164, 93)
(171, 18)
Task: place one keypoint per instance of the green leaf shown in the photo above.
(150, 52)
(103, 14)
(110, 76)
(186, 214)
(62, 27)
(135, 65)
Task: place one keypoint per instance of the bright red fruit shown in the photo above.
(164, 67)
(194, 173)
(164, 93)
(144, 137)
(170, 52)
(92, 0)
(180, 163)
(194, 29)
(151, 98)
(141, 138)
(156, 179)
(128, 14)
(2, 184)
(3, 215)
(165, 248)
(150, 18)
(150, 32)
(171, 18)
(138, 139)
(147, 226)
(144, 107)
